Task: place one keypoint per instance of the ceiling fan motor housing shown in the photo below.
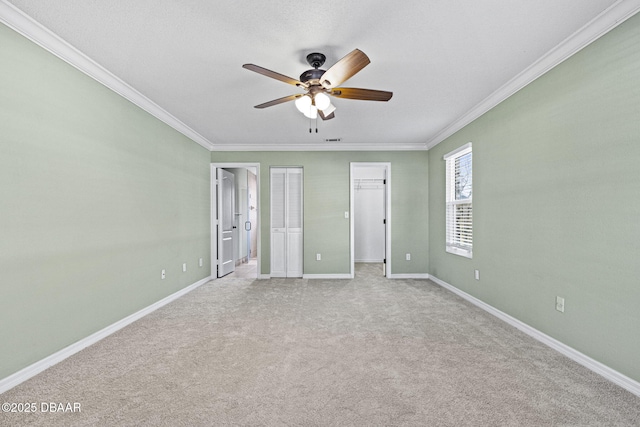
(314, 74)
(316, 60)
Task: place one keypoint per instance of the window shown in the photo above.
(459, 239)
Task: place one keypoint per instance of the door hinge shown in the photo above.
(384, 221)
(384, 182)
(384, 261)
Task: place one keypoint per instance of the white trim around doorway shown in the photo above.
(214, 207)
(387, 249)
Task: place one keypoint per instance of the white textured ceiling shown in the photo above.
(440, 58)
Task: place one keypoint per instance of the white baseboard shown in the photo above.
(610, 374)
(328, 276)
(310, 276)
(409, 276)
(57, 357)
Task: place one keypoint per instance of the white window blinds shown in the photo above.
(459, 196)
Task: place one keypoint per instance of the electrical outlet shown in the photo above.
(184, 267)
(407, 257)
(560, 304)
(477, 274)
(346, 214)
(200, 262)
(164, 274)
(318, 257)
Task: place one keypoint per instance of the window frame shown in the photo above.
(453, 245)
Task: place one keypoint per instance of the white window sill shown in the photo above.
(458, 251)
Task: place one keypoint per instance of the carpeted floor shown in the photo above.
(368, 351)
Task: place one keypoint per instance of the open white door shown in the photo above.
(226, 220)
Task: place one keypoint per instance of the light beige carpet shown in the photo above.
(368, 351)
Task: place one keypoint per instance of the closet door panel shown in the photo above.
(294, 254)
(294, 222)
(278, 222)
(286, 222)
(278, 254)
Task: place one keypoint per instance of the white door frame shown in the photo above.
(387, 249)
(214, 214)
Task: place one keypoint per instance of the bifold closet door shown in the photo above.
(286, 222)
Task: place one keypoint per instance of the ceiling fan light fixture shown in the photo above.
(330, 109)
(322, 101)
(303, 103)
(312, 112)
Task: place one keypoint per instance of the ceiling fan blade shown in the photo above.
(362, 94)
(279, 101)
(344, 69)
(273, 75)
(327, 117)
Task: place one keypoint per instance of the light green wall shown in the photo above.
(556, 208)
(96, 198)
(326, 198)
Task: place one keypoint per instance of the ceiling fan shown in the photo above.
(319, 83)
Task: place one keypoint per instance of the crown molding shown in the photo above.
(17, 20)
(610, 18)
(606, 21)
(321, 147)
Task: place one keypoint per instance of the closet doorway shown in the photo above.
(370, 215)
